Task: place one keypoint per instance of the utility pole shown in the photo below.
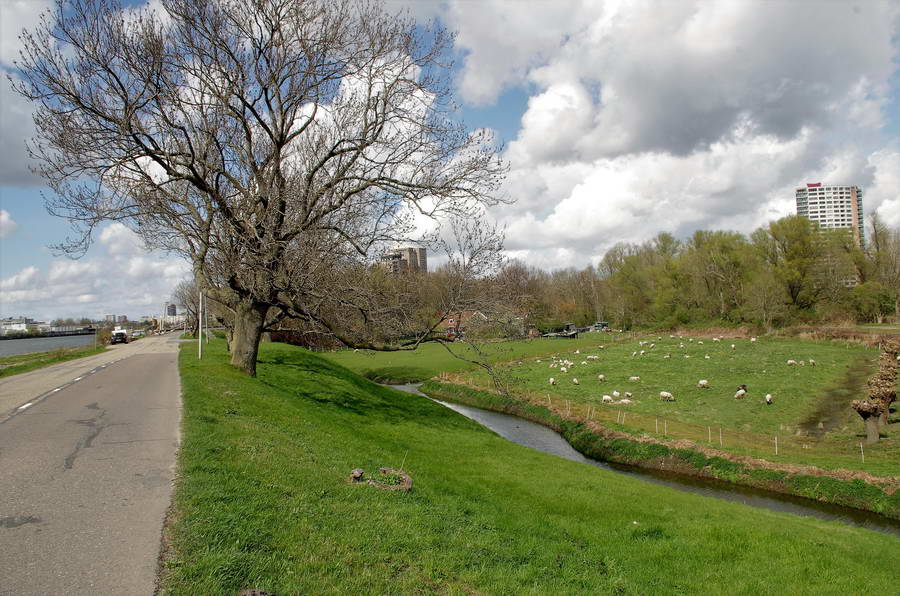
(200, 329)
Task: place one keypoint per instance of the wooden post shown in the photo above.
(862, 453)
(721, 444)
(776, 444)
(666, 428)
(623, 417)
(709, 433)
(549, 403)
(657, 426)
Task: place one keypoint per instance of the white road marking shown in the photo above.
(57, 389)
(77, 379)
(28, 405)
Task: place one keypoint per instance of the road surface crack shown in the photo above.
(96, 425)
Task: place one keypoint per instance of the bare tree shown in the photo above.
(243, 134)
(187, 295)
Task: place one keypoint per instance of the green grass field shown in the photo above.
(749, 424)
(22, 363)
(262, 501)
(432, 359)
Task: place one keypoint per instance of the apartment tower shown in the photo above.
(833, 207)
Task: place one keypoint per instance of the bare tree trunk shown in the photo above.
(872, 434)
(249, 319)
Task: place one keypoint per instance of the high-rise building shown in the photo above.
(170, 310)
(110, 318)
(121, 318)
(833, 207)
(406, 259)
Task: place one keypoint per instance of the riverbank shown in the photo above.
(844, 487)
(263, 500)
(22, 363)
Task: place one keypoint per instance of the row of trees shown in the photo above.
(786, 272)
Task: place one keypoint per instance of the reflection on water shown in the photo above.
(536, 436)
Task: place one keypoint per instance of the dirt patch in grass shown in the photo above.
(834, 406)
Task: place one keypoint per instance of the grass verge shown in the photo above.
(262, 501)
(22, 363)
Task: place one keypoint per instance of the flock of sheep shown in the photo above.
(564, 365)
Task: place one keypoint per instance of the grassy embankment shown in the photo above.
(803, 396)
(263, 501)
(22, 363)
(432, 359)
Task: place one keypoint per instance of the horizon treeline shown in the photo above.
(786, 272)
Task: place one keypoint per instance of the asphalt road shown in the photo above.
(86, 472)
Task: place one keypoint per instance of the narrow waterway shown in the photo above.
(536, 436)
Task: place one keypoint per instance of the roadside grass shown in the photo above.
(838, 377)
(22, 363)
(262, 501)
(431, 359)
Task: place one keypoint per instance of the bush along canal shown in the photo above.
(850, 500)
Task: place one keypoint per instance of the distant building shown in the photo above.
(121, 318)
(833, 207)
(170, 310)
(109, 318)
(18, 325)
(406, 260)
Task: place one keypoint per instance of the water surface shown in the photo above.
(13, 347)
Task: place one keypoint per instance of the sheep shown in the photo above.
(607, 399)
(643, 352)
(703, 384)
(575, 380)
(616, 394)
(578, 351)
(593, 357)
(552, 381)
(681, 345)
(538, 360)
(752, 340)
(625, 402)
(768, 399)
(627, 395)
(717, 339)
(666, 396)
(706, 356)
(584, 361)
(732, 346)
(667, 356)
(686, 356)
(740, 394)
(652, 346)
(801, 363)
(636, 379)
(601, 378)
(691, 339)
(563, 369)
(633, 354)
(812, 362)
(700, 343)
(792, 363)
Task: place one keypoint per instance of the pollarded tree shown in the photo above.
(241, 134)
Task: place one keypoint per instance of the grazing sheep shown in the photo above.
(812, 362)
(686, 356)
(634, 378)
(607, 399)
(616, 394)
(681, 346)
(643, 352)
(552, 381)
(601, 378)
(563, 369)
(652, 346)
(628, 394)
(691, 339)
(703, 384)
(752, 340)
(666, 396)
(717, 339)
(584, 361)
(633, 354)
(593, 357)
(768, 399)
(740, 394)
(792, 363)
(667, 356)
(578, 351)
(538, 360)
(575, 380)
(625, 402)
(801, 363)
(700, 343)
(732, 346)
(706, 356)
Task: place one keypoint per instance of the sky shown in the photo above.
(619, 120)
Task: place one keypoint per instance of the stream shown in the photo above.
(535, 436)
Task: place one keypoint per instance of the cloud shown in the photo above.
(121, 279)
(7, 224)
(646, 117)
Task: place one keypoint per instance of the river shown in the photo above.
(536, 436)
(12, 347)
